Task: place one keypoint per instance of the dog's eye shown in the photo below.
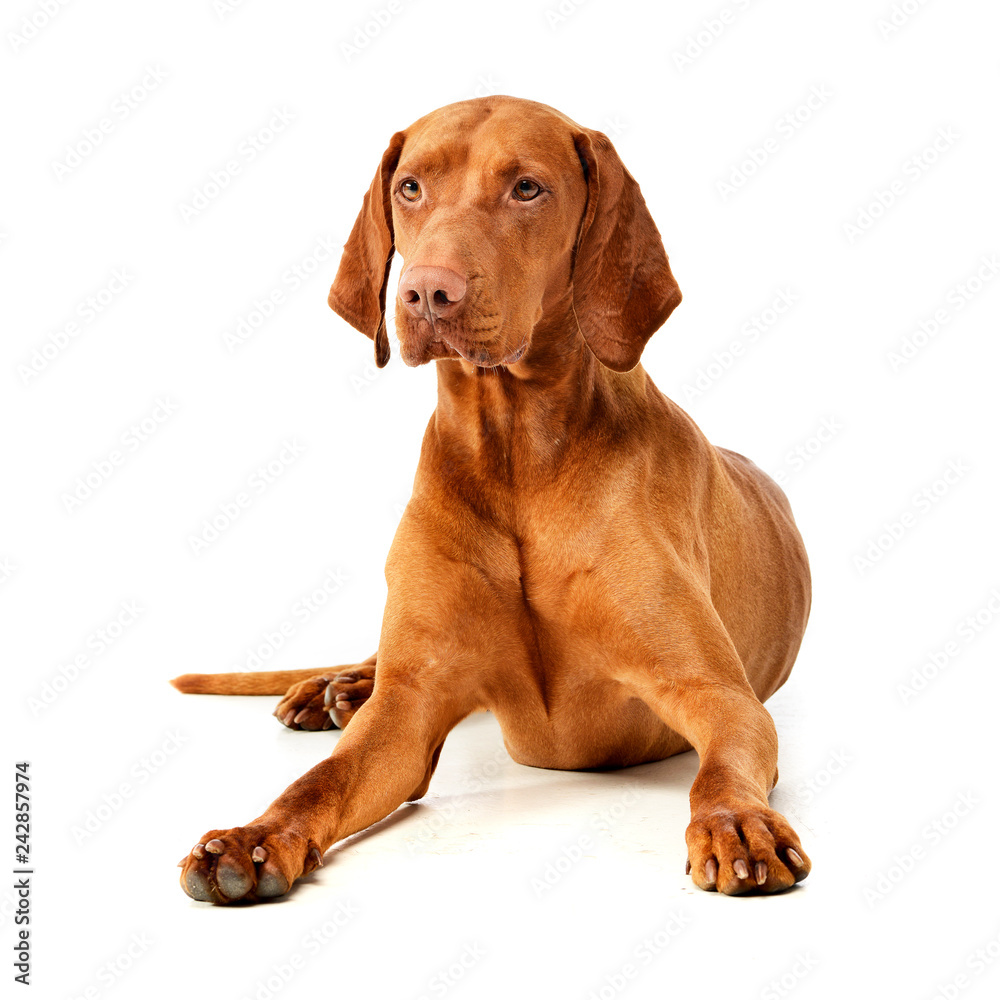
(525, 190)
(410, 190)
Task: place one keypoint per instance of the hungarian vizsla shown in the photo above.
(576, 557)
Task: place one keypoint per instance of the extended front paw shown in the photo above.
(744, 849)
(247, 864)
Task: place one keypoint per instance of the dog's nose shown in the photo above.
(431, 292)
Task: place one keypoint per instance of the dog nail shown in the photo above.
(760, 870)
(215, 846)
(298, 718)
(345, 678)
(328, 723)
(319, 857)
(740, 867)
(795, 858)
(259, 854)
(198, 851)
(289, 717)
(687, 867)
(711, 871)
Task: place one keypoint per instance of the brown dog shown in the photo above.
(576, 557)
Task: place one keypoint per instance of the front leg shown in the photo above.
(736, 842)
(386, 758)
(443, 630)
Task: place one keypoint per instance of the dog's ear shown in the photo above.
(358, 291)
(623, 289)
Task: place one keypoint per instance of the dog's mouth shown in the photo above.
(482, 358)
(443, 349)
(478, 334)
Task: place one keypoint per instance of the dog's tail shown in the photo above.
(256, 682)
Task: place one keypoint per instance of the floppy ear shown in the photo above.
(623, 289)
(358, 291)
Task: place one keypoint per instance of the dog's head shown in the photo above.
(506, 213)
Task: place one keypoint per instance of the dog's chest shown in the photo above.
(580, 573)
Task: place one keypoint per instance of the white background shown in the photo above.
(893, 907)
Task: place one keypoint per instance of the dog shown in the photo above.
(576, 557)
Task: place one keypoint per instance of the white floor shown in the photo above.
(872, 400)
(504, 881)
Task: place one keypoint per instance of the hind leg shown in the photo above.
(328, 699)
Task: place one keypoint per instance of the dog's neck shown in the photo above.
(515, 424)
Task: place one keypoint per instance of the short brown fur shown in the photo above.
(576, 557)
